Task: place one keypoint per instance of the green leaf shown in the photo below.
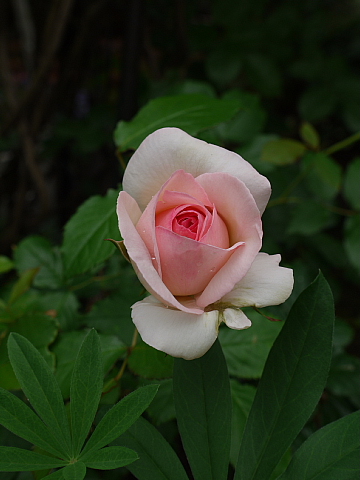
(85, 390)
(40, 387)
(119, 418)
(66, 349)
(111, 457)
(150, 363)
(23, 284)
(292, 383)
(17, 417)
(283, 151)
(248, 122)
(242, 399)
(157, 461)
(84, 246)
(5, 264)
(75, 471)
(352, 237)
(323, 175)
(162, 408)
(330, 453)
(203, 408)
(351, 184)
(309, 135)
(63, 305)
(246, 351)
(37, 252)
(13, 459)
(192, 113)
(309, 218)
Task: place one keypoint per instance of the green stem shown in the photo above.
(343, 144)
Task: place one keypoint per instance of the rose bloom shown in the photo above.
(190, 217)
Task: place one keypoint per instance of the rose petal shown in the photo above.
(174, 332)
(266, 283)
(236, 319)
(244, 225)
(187, 265)
(128, 213)
(169, 149)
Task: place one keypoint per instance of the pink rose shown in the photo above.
(190, 217)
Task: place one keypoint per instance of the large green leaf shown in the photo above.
(41, 388)
(111, 457)
(203, 408)
(157, 461)
(192, 113)
(331, 453)
(84, 246)
(242, 398)
(13, 459)
(292, 383)
(119, 418)
(85, 389)
(17, 417)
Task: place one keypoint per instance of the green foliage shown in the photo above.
(294, 378)
(94, 222)
(203, 408)
(48, 427)
(192, 113)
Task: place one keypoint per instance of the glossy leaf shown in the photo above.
(192, 113)
(330, 453)
(111, 457)
(292, 383)
(40, 387)
(203, 409)
(85, 389)
(119, 418)
(84, 246)
(13, 459)
(157, 460)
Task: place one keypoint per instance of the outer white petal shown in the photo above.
(174, 332)
(265, 283)
(170, 149)
(236, 319)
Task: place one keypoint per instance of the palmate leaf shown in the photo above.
(111, 457)
(41, 388)
(13, 459)
(292, 383)
(118, 419)
(17, 417)
(203, 408)
(85, 389)
(331, 453)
